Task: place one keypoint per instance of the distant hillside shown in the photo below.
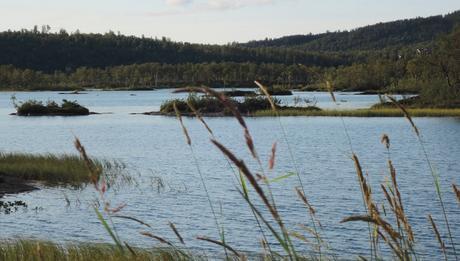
(373, 37)
(39, 50)
(65, 52)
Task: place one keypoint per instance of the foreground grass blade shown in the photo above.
(109, 230)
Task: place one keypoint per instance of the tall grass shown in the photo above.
(433, 172)
(55, 169)
(388, 223)
(48, 251)
(301, 189)
(202, 179)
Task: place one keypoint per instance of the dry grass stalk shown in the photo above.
(184, 129)
(115, 209)
(93, 170)
(377, 220)
(406, 114)
(398, 206)
(457, 192)
(438, 235)
(300, 237)
(159, 239)
(271, 207)
(174, 229)
(394, 182)
(131, 250)
(220, 96)
(199, 117)
(252, 180)
(374, 214)
(396, 249)
(330, 89)
(388, 197)
(385, 141)
(364, 187)
(305, 201)
(133, 219)
(231, 249)
(250, 143)
(231, 106)
(269, 97)
(311, 231)
(365, 218)
(271, 162)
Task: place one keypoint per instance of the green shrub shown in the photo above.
(206, 104)
(37, 108)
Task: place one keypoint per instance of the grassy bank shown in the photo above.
(37, 250)
(52, 169)
(386, 112)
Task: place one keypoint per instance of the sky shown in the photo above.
(213, 21)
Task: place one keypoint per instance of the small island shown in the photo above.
(212, 107)
(51, 108)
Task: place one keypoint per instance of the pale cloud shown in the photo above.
(180, 7)
(235, 4)
(178, 2)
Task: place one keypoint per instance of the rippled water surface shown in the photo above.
(153, 148)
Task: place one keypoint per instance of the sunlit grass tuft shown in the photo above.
(38, 250)
(54, 169)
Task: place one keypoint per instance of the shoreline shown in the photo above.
(12, 186)
(83, 91)
(387, 112)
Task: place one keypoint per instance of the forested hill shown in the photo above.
(382, 35)
(48, 52)
(37, 50)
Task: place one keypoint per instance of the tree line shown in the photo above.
(62, 51)
(374, 37)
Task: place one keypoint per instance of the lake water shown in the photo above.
(153, 147)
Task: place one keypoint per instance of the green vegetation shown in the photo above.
(239, 93)
(282, 90)
(259, 106)
(55, 169)
(37, 108)
(212, 106)
(374, 37)
(382, 112)
(38, 250)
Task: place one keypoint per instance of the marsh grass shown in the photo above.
(55, 169)
(41, 251)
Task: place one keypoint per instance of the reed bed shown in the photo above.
(41, 251)
(55, 169)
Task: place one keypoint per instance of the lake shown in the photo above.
(153, 148)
